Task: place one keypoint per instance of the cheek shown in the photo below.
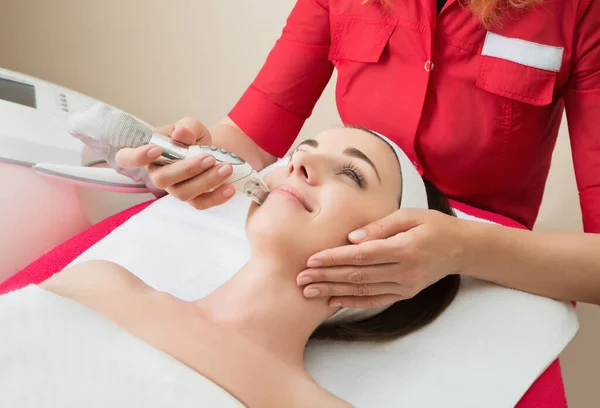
(347, 210)
(275, 175)
(344, 211)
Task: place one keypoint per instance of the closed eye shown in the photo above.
(354, 174)
(354, 152)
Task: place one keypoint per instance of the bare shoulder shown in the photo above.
(93, 275)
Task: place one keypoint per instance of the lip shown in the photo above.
(294, 192)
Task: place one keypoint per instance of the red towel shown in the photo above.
(546, 392)
(59, 257)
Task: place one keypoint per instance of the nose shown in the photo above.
(302, 166)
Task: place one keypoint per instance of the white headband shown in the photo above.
(414, 195)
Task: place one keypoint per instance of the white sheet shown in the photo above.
(485, 350)
(93, 363)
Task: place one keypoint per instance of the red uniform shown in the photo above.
(477, 110)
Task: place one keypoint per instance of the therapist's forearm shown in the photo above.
(227, 135)
(563, 266)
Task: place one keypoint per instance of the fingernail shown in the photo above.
(335, 303)
(208, 162)
(223, 171)
(313, 263)
(358, 235)
(154, 152)
(311, 293)
(304, 281)
(229, 191)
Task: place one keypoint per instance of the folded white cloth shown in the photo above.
(485, 350)
(55, 352)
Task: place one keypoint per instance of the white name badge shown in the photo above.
(531, 54)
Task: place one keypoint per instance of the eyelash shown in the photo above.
(349, 169)
(354, 173)
(296, 150)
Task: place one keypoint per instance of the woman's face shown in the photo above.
(335, 183)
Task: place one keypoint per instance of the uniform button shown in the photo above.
(223, 151)
(429, 65)
(213, 148)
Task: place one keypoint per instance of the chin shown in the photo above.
(277, 235)
(272, 222)
(276, 212)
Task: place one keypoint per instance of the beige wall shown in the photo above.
(164, 59)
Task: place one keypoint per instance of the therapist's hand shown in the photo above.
(390, 260)
(188, 180)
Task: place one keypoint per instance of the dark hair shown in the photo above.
(404, 316)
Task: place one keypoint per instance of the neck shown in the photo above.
(263, 303)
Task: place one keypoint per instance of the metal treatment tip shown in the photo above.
(257, 190)
(260, 196)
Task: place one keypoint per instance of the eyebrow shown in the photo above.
(310, 142)
(354, 152)
(349, 151)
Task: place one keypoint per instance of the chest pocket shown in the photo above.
(517, 69)
(358, 43)
(520, 99)
(511, 80)
(359, 39)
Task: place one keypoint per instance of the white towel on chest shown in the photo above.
(56, 353)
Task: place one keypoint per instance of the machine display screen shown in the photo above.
(17, 92)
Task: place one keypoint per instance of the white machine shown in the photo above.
(40, 210)
(33, 132)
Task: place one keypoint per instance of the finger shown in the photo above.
(349, 274)
(179, 171)
(166, 130)
(214, 198)
(369, 302)
(138, 157)
(399, 221)
(202, 183)
(190, 131)
(366, 253)
(348, 289)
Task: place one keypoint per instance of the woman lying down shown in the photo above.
(96, 335)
